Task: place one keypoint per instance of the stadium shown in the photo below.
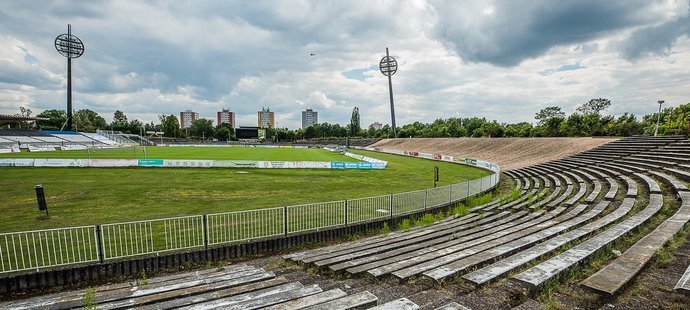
(511, 180)
(237, 201)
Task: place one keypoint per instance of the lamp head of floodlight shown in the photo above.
(388, 65)
(69, 45)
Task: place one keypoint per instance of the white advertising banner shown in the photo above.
(188, 163)
(21, 162)
(113, 163)
(235, 164)
(59, 162)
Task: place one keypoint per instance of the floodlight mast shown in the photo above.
(71, 47)
(658, 117)
(388, 67)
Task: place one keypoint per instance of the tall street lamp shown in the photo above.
(658, 117)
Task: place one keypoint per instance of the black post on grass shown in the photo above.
(435, 175)
(41, 198)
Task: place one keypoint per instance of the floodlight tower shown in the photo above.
(658, 117)
(69, 46)
(388, 67)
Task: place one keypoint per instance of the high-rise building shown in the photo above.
(226, 116)
(266, 118)
(376, 125)
(309, 117)
(187, 117)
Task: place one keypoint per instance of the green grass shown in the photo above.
(90, 196)
(208, 153)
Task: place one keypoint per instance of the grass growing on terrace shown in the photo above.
(88, 196)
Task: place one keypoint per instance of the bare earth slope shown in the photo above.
(508, 153)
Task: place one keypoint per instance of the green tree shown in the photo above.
(355, 127)
(56, 118)
(88, 120)
(472, 124)
(201, 128)
(493, 129)
(224, 132)
(594, 106)
(135, 126)
(548, 113)
(625, 125)
(119, 121)
(171, 126)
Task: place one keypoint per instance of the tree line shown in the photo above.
(587, 120)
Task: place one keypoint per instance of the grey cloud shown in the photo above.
(518, 30)
(655, 40)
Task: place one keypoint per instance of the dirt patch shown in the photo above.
(508, 153)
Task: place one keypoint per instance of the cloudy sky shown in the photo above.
(502, 60)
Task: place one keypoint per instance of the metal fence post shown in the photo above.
(345, 212)
(285, 220)
(450, 193)
(426, 197)
(468, 188)
(205, 223)
(391, 207)
(481, 184)
(99, 244)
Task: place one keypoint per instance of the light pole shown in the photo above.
(658, 117)
(388, 66)
(70, 46)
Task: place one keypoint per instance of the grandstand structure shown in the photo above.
(568, 211)
(13, 140)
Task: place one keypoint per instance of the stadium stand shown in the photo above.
(101, 139)
(589, 199)
(567, 211)
(238, 286)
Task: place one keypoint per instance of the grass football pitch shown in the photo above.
(209, 153)
(89, 196)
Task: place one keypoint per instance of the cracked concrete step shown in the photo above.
(231, 276)
(398, 304)
(360, 300)
(310, 300)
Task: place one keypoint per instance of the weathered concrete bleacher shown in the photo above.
(618, 273)
(232, 287)
(550, 269)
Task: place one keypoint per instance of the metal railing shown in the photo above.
(244, 225)
(46, 248)
(409, 202)
(315, 216)
(55, 247)
(369, 209)
(153, 236)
